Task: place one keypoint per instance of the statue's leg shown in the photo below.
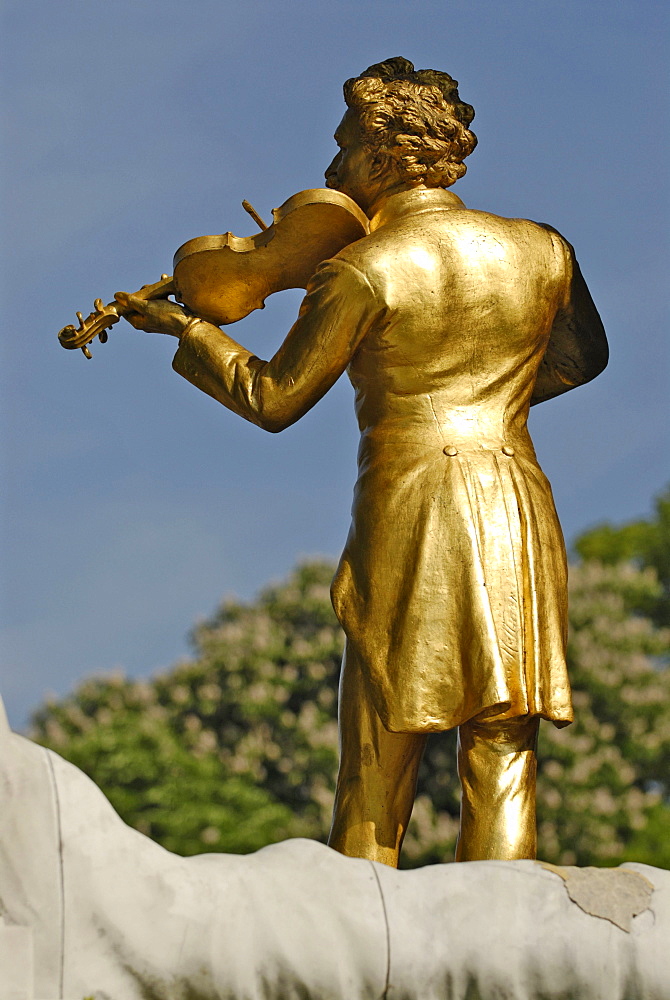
(377, 777)
(497, 765)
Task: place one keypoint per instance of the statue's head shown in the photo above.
(403, 128)
(412, 120)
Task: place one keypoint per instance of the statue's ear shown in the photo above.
(381, 164)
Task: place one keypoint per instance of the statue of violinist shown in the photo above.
(451, 589)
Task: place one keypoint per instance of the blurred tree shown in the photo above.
(645, 543)
(232, 750)
(604, 777)
(237, 747)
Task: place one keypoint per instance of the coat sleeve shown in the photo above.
(577, 350)
(338, 310)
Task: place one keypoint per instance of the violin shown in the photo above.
(223, 278)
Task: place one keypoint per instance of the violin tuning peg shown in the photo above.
(97, 305)
(102, 336)
(80, 318)
(87, 353)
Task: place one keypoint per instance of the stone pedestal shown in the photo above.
(16, 962)
(95, 909)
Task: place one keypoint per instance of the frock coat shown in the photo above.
(451, 323)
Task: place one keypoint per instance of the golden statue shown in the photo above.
(451, 589)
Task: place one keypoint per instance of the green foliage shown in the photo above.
(645, 543)
(232, 750)
(119, 732)
(237, 747)
(603, 778)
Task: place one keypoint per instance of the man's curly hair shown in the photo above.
(414, 119)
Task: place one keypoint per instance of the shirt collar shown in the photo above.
(411, 202)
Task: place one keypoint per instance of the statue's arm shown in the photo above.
(336, 313)
(577, 349)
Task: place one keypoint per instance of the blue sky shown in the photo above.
(133, 503)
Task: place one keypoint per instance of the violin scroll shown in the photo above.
(95, 325)
(104, 317)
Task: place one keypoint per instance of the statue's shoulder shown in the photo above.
(485, 220)
(537, 241)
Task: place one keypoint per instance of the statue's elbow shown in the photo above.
(273, 426)
(603, 356)
(277, 410)
(596, 348)
(274, 421)
(596, 360)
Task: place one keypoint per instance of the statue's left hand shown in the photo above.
(153, 316)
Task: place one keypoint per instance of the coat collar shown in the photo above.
(411, 202)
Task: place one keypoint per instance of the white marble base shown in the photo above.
(116, 917)
(16, 962)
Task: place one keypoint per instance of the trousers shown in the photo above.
(376, 783)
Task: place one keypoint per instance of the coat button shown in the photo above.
(508, 450)
(450, 450)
